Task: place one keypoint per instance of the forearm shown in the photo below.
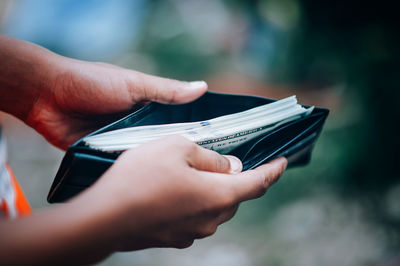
(69, 234)
(25, 70)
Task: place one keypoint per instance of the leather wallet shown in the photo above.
(82, 165)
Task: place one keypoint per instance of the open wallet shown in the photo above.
(83, 165)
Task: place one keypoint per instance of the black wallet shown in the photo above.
(82, 165)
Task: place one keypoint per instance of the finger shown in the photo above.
(167, 91)
(206, 160)
(208, 225)
(227, 215)
(254, 183)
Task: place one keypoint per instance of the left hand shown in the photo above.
(79, 97)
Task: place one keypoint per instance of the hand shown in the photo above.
(171, 191)
(165, 193)
(80, 97)
(65, 99)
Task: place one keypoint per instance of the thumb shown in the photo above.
(211, 161)
(167, 91)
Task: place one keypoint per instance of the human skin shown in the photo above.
(165, 193)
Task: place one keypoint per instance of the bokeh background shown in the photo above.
(341, 209)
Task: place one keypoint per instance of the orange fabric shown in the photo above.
(21, 203)
(13, 203)
(3, 207)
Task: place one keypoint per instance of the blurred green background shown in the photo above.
(341, 209)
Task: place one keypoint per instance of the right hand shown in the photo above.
(169, 192)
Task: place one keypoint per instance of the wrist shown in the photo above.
(120, 216)
(67, 234)
(88, 230)
(102, 215)
(26, 75)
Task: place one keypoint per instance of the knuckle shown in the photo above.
(260, 176)
(207, 230)
(137, 83)
(191, 147)
(282, 169)
(183, 244)
(273, 177)
(262, 191)
(263, 185)
(173, 95)
(262, 182)
(218, 202)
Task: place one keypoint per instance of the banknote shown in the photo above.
(222, 134)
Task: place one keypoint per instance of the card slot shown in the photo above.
(243, 151)
(283, 142)
(294, 128)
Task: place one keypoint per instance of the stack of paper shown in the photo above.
(222, 134)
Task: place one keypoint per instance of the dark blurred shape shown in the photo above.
(357, 42)
(362, 39)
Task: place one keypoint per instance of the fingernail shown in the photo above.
(236, 164)
(195, 85)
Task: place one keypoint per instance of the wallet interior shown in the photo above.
(82, 165)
